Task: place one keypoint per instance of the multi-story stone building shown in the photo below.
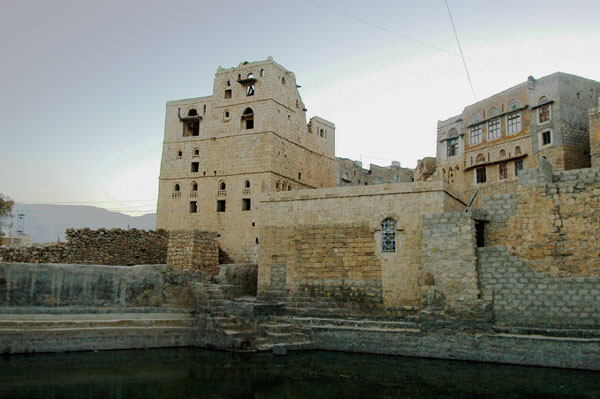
(221, 152)
(351, 173)
(487, 146)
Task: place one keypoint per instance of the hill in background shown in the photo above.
(47, 223)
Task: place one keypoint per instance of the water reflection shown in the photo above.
(196, 373)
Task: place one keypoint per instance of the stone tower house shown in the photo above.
(222, 152)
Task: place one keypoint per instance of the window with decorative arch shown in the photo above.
(388, 235)
(194, 190)
(544, 110)
(176, 191)
(222, 189)
(513, 119)
(452, 143)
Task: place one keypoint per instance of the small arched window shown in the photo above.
(502, 153)
(514, 105)
(322, 133)
(277, 185)
(517, 150)
(247, 184)
(192, 112)
(262, 73)
(290, 187)
(494, 112)
(176, 187)
(476, 118)
(480, 159)
(222, 186)
(176, 191)
(283, 186)
(196, 152)
(388, 235)
(250, 75)
(248, 119)
(179, 154)
(194, 186)
(282, 81)
(229, 83)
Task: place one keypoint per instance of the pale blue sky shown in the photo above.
(83, 84)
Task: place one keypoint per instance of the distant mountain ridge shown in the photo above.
(47, 223)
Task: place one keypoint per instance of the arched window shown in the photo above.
(480, 159)
(277, 185)
(247, 184)
(543, 110)
(194, 186)
(388, 235)
(192, 112)
(494, 111)
(194, 190)
(191, 123)
(502, 153)
(282, 81)
(221, 189)
(517, 150)
(283, 186)
(262, 73)
(176, 191)
(322, 133)
(476, 118)
(248, 119)
(222, 186)
(179, 154)
(290, 187)
(196, 152)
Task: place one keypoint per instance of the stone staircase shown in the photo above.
(60, 329)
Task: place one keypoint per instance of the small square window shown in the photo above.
(221, 206)
(228, 93)
(480, 175)
(195, 167)
(193, 207)
(246, 204)
(546, 138)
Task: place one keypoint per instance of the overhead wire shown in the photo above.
(460, 49)
(433, 46)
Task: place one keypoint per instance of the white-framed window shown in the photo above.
(494, 129)
(545, 138)
(513, 123)
(388, 235)
(475, 134)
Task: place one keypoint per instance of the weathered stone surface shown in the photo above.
(193, 249)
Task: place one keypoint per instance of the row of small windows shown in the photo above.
(195, 153)
(513, 122)
(221, 189)
(283, 186)
(222, 205)
(503, 172)
(248, 83)
(480, 158)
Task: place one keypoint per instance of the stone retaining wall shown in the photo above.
(49, 285)
(100, 247)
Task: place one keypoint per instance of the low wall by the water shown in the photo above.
(50, 285)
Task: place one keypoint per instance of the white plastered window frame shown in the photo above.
(543, 146)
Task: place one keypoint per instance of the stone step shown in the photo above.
(239, 333)
(78, 321)
(283, 348)
(548, 332)
(358, 323)
(281, 338)
(61, 310)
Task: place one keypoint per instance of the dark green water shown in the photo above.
(196, 373)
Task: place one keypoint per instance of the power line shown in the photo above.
(409, 38)
(460, 49)
(82, 202)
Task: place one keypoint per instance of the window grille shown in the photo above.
(388, 235)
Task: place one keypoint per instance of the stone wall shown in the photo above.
(322, 248)
(449, 261)
(553, 222)
(594, 116)
(53, 285)
(523, 297)
(102, 247)
(194, 249)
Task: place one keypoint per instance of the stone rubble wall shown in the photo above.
(194, 249)
(101, 247)
(523, 297)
